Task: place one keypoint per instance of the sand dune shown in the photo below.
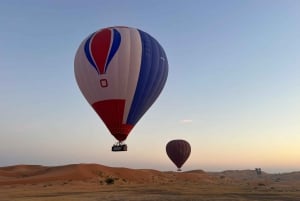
(99, 182)
(30, 174)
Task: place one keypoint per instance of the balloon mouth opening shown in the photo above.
(120, 137)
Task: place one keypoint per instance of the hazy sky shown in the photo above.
(233, 89)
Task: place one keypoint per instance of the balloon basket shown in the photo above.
(119, 147)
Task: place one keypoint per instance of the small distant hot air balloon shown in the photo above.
(178, 151)
(120, 71)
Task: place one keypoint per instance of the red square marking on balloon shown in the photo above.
(103, 83)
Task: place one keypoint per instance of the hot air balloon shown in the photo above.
(178, 151)
(120, 71)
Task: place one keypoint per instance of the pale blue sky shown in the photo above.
(234, 74)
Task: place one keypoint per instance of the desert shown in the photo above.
(98, 182)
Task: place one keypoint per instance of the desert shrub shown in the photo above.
(100, 174)
(109, 181)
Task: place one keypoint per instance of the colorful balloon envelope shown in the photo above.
(120, 71)
(178, 151)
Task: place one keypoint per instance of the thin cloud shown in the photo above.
(186, 121)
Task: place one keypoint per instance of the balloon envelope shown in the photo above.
(120, 71)
(178, 151)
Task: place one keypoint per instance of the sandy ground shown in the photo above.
(91, 182)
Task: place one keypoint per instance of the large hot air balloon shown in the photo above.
(120, 71)
(178, 151)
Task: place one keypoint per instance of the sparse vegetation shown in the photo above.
(100, 174)
(109, 181)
